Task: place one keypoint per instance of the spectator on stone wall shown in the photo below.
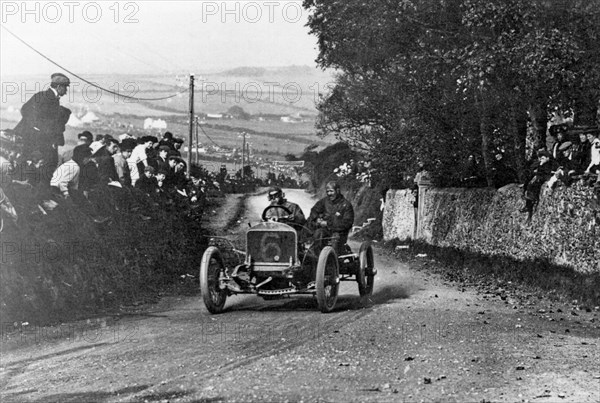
(594, 166)
(566, 171)
(581, 153)
(558, 134)
(541, 174)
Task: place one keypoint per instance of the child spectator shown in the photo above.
(147, 183)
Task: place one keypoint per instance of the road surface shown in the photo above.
(418, 339)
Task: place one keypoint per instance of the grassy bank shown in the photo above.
(65, 263)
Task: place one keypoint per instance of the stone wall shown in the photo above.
(399, 215)
(565, 228)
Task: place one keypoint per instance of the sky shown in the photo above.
(153, 37)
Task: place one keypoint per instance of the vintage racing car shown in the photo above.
(275, 265)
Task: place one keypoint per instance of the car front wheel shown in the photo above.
(327, 281)
(211, 268)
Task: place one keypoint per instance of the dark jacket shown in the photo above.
(339, 214)
(147, 185)
(107, 171)
(88, 177)
(581, 156)
(160, 164)
(296, 215)
(43, 124)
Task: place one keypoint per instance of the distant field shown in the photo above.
(283, 91)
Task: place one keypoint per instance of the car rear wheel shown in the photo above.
(327, 281)
(365, 276)
(211, 268)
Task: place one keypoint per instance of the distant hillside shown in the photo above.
(293, 70)
(246, 72)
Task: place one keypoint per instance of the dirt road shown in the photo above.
(418, 339)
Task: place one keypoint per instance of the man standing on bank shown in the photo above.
(43, 120)
(331, 218)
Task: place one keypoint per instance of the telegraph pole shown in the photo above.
(243, 154)
(197, 155)
(189, 165)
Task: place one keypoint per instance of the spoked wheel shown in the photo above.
(366, 271)
(211, 268)
(327, 281)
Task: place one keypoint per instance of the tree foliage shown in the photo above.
(440, 80)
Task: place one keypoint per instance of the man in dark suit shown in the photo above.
(43, 121)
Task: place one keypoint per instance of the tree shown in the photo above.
(470, 76)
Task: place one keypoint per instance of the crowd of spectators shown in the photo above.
(574, 154)
(123, 173)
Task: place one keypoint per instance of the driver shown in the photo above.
(277, 198)
(331, 217)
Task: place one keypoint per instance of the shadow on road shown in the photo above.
(345, 302)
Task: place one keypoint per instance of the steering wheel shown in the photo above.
(287, 211)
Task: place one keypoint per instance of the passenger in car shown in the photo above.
(331, 218)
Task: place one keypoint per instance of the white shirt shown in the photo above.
(595, 151)
(65, 175)
(137, 155)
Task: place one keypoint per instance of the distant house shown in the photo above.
(214, 116)
(150, 124)
(291, 119)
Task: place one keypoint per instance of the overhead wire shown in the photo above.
(207, 136)
(87, 81)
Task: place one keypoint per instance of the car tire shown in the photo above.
(366, 265)
(211, 267)
(327, 279)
